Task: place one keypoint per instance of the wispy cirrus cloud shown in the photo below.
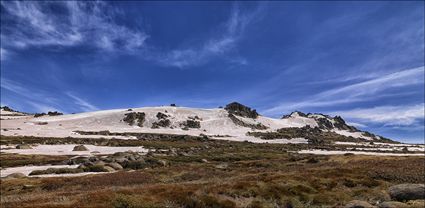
(38, 24)
(3, 54)
(43, 101)
(362, 91)
(215, 46)
(404, 115)
(39, 100)
(84, 105)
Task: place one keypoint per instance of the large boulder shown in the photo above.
(108, 169)
(23, 146)
(115, 166)
(80, 148)
(358, 204)
(404, 192)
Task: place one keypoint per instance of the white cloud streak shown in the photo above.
(3, 54)
(31, 97)
(35, 24)
(361, 91)
(214, 47)
(387, 115)
(84, 105)
(43, 101)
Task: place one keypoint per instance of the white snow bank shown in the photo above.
(336, 152)
(26, 170)
(258, 140)
(353, 134)
(66, 149)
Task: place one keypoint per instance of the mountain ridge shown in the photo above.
(235, 122)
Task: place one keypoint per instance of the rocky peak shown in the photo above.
(295, 114)
(6, 108)
(241, 110)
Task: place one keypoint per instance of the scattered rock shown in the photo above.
(358, 204)
(392, 204)
(23, 146)
(404, 192)
(80, 148)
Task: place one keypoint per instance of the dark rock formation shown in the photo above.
(295, 113)
(80, 148)
(39, 115)
(192, 124)
(324, 123)
(23, 146)
(241, 110)
(131, 118)
(161, 123)
(54, 113)
(340, 124)
(238, 122)
(160, 115)
(404, 192)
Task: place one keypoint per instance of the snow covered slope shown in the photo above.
(231, 123)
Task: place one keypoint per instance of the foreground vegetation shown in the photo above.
(210, 173)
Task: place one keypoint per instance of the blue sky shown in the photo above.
(361, 60)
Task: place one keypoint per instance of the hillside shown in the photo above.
(235, 122)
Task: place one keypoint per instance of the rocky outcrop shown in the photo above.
(339, 123)
(160, 115)
(241, 110)
(132, 118)
(191, 124)
(80, 148)
(295, 114)
(239, 122)
(163, 121)
(404, 192)
(23, 146)
(54, 113)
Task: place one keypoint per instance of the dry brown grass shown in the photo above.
(235, 175)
